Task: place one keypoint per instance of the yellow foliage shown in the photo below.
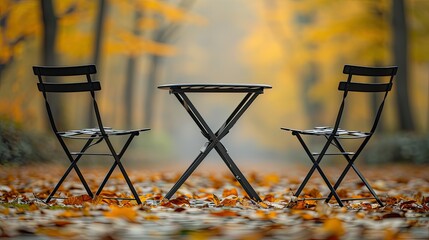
(130, 44)
(23, 19)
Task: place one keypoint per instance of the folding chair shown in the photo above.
(335, 136)
(90, 136)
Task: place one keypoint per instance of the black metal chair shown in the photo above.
(335, 136)
(90, 136)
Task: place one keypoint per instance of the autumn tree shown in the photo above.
(99, 33)
(401, 59)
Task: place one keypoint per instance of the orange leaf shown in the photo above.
(314, 193)
(299, 205)
(229, 192)
(269, 198)
(266, 215)
(128, 214)
(69, 214)
(151, 217)
(62, 223)
(229, 202)
(214, 199)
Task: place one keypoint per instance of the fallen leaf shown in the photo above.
(62, 223)
(229, 202)
(180, 201)
(334, 227)
(269, 198)
(126, 213)
(230, 192)
(225, 213)
(79, 200)
(70, 214)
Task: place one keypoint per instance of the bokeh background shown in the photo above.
(298, 47)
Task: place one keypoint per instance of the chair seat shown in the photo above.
(327, 131)
(96, 133)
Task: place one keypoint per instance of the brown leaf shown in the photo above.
(180, 209)
(392, 215)
(79, 200)
(225, 213)
(391, 200)
(366, 206)
(180, 201)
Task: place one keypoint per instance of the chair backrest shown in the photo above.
(48, 83)
(351, 85)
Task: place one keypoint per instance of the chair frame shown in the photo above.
(92, 136)
(335, 134)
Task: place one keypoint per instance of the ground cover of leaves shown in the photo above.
(213, 206)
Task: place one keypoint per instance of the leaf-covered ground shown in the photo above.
(213, 206)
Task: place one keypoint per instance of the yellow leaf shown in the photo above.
(264, 205)
(334, 227)
(216, 200)
(128, 214)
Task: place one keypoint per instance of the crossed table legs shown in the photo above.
(214, 142)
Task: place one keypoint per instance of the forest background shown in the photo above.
(298, 47)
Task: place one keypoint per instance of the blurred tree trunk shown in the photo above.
(153, 78)
(164, 34)
(97, 51)
(49, 21)
(312, 108)
(130, 75)
(400, 53)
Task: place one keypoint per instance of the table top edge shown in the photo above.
(207, 85)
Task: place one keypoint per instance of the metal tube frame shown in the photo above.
(214, 140)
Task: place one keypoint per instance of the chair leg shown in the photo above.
(73, 164)
(316, 166)
(121, 167)
(106, 178)
(351, 165)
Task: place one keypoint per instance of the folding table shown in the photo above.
(251, 91)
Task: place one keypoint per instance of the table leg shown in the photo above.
(189, 171)
(237, 173)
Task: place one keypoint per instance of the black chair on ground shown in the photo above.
(90, 136)
(335, 136)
